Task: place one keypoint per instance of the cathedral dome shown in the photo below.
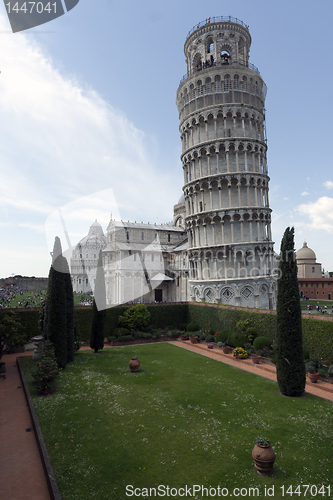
(305, 253)
(95, 238)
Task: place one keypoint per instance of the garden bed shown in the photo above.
(181, 420)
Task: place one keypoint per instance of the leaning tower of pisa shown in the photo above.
(221, 105)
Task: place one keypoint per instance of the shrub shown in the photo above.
(223, 336)
(135, 317)
(316, 361)
(118, 332)
(111, 337)
(192, 327)
(128, 337)
(249, 348)
(330, 371)
(310, 367)
(11, 331)
(247, 328)
(47, 369)
(210, 339)
(322, 372)
(237, 339)
(175, 333)
(261, 342)
(195, 334)
(146, 335)
(202, 336)
(240, 353)
(220, 344)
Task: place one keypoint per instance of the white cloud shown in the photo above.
(53, 131)
(305, 193)
(328, 184)
(320, 214)
(60, 141)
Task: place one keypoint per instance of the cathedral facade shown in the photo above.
(219, 247)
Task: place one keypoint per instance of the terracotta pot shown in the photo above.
(226, 349)
(263, 457)
(255, 359)
(134, 365)
(313, 377)
(184, 337)
(210, 346)
(193, 340)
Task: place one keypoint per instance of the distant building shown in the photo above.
(85, 258)
(311, 282)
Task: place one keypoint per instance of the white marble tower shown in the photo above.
(221, 105)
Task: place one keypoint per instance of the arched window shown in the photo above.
(225, 57)
(236, 82)
(210, 45)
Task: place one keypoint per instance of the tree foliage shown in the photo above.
(99, 309)
(289, 343)
(135, 317)
(58, 321)
(46, 370)
(11, 331)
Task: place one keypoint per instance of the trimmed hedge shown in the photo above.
(218, 318)
(317, 333)
(261, 342)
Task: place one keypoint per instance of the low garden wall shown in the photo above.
(317, 331)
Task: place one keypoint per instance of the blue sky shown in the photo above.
(89, 125)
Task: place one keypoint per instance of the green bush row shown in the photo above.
(317, 334)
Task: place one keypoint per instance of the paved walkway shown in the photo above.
(21, 470)
(320, 389)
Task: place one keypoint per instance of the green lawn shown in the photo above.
(37, 296)
(183, 419)
(313, 303)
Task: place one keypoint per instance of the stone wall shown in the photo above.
(25, 283)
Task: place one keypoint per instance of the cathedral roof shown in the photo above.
(305, 253)
(94, 239)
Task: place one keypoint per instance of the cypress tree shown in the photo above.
(99, 309)
(55, 317)
(69, 313)
(289, 343)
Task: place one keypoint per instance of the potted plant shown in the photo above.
(311, 369)
(263, 456)
(255, 359)
(239, 353)
(134, 364)
(210, 345)
(193, 338)
(225, 348)
(184, 336)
